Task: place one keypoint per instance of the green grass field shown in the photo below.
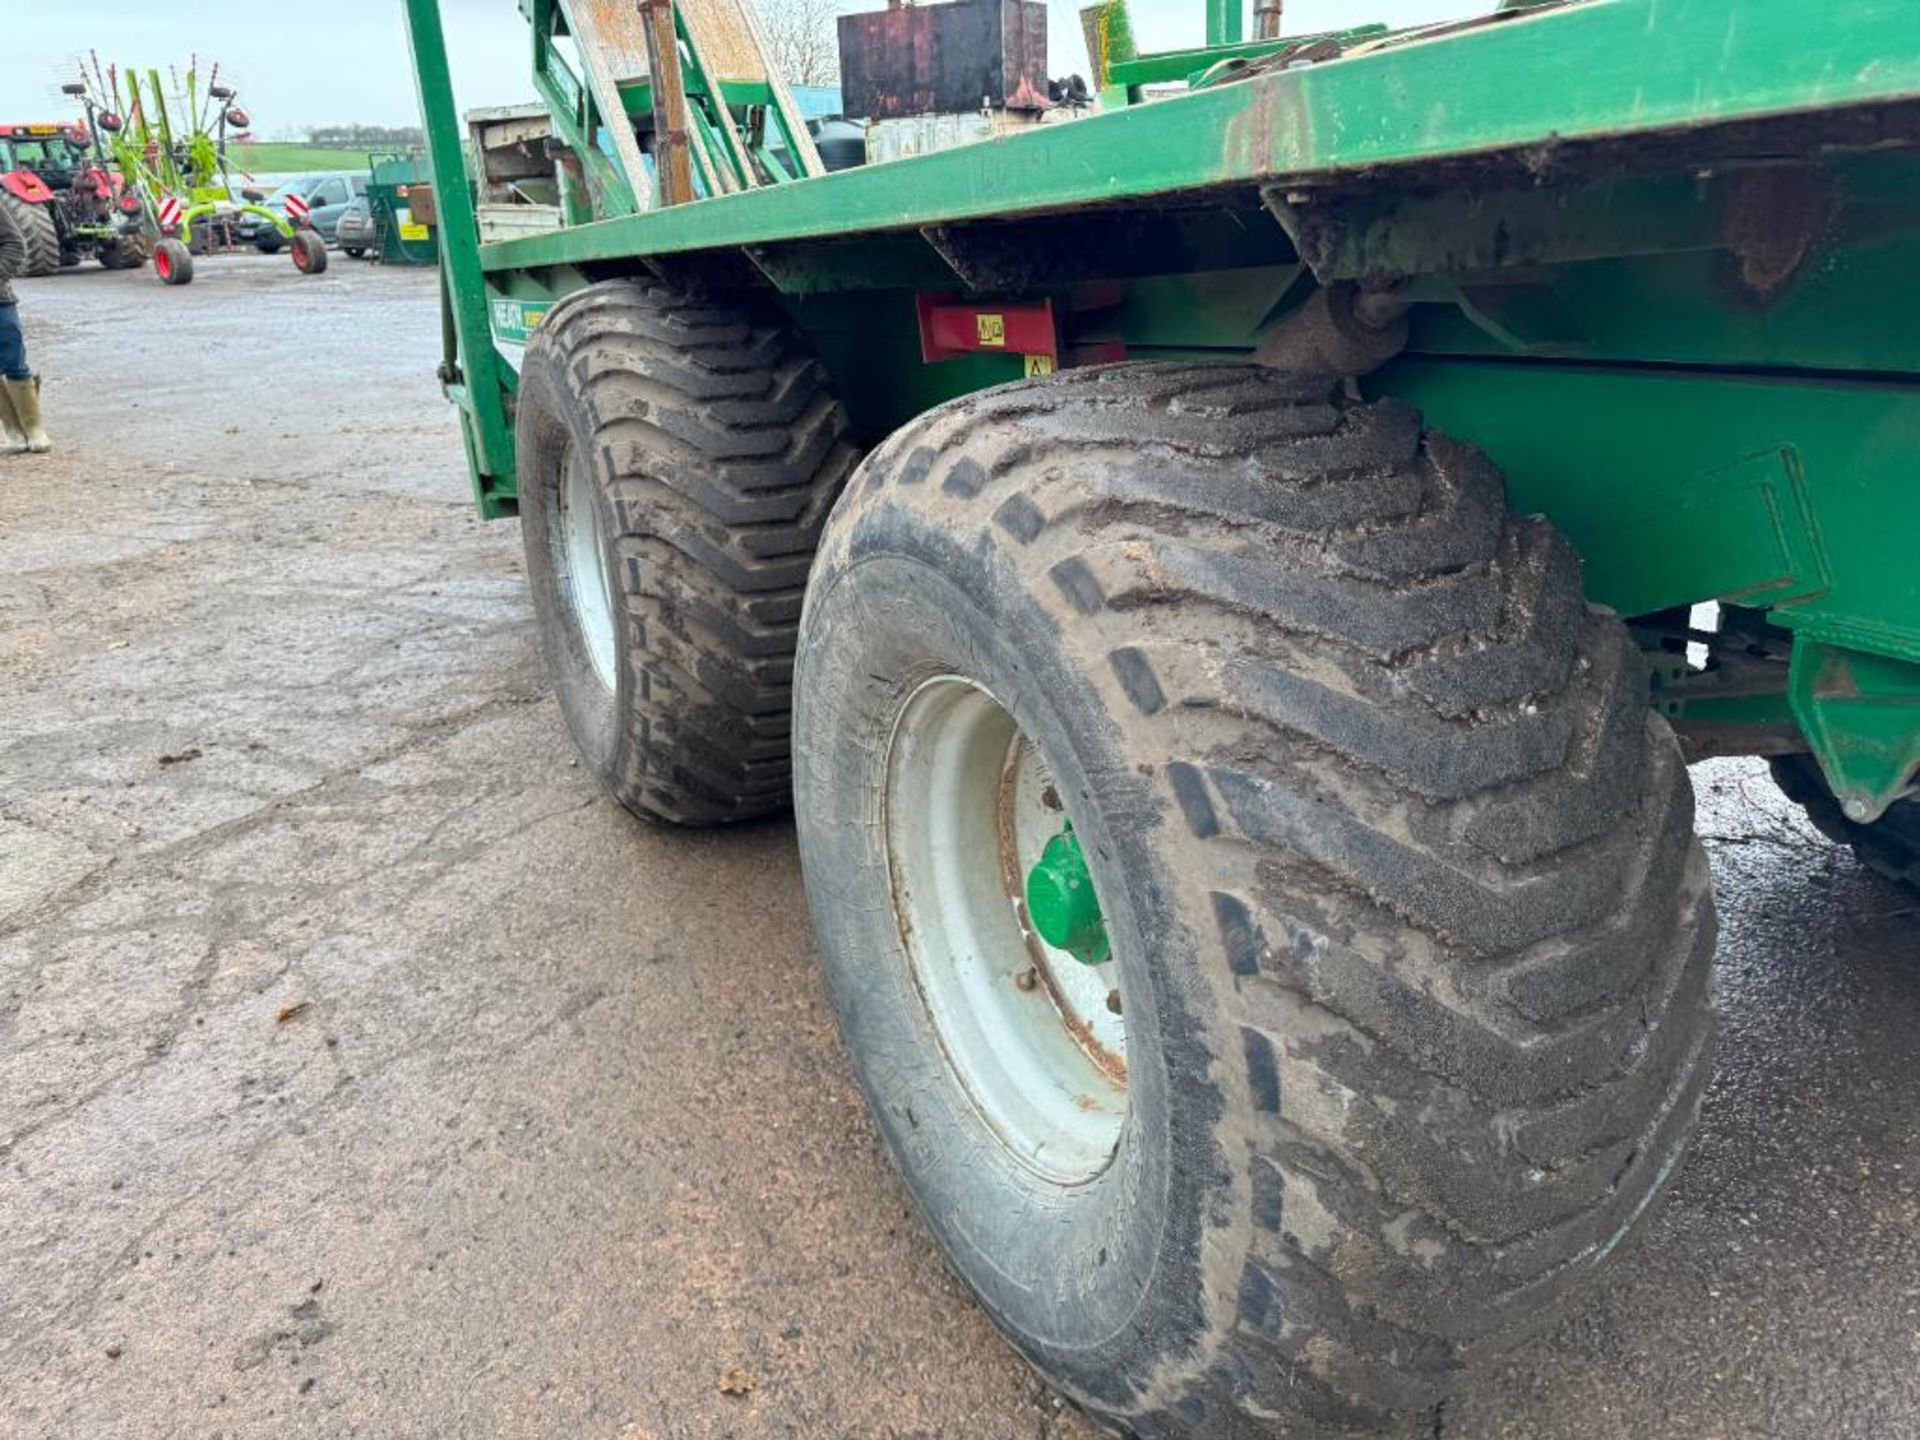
(284, 159)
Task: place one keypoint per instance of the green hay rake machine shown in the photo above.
(170, 144)
(1229, 580)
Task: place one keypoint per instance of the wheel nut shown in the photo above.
(1026, 979)
(1113, 1001)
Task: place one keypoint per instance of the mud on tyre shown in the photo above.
(677, 457)
(1410, 930)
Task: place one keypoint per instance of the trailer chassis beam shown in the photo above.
(474, 376)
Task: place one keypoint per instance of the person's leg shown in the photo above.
(13, 345)
(13, 359)
(20, 411)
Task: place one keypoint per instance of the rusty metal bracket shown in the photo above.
(1861, 716)
(1337, 330)
(672, 153)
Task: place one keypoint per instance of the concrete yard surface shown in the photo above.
(365, 1072)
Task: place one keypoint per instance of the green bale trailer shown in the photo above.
(1223, 583)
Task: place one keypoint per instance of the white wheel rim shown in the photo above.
(586, 585)
(1036, 1039)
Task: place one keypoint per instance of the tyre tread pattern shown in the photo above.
(1446, 850)
(723, 447)
(37, 228)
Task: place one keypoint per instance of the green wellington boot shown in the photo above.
(24, 397)
(12, 435)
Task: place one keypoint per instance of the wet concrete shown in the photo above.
(364, 1072)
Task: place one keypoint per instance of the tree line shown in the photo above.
(363, 137)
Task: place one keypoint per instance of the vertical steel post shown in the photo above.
(800, 144)
(475, 378)
(1224, 22)
(669, 95)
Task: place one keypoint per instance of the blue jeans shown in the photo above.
(13, 345)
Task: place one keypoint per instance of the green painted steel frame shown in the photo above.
(1164, 66)
(1709, 409)
(1646, 67)
(577, 117)
(194, 213)
(1226, 21)
(472, 371)
(575, 112)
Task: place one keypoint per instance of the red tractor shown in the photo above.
(68, 202)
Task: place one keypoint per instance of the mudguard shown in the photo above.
(27, 186)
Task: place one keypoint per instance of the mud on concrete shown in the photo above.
(364, 1072)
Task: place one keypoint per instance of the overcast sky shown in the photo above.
(337, 61)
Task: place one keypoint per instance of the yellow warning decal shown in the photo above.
(1039, 365)
(992, 329)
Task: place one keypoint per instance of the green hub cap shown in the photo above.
(1061, 901)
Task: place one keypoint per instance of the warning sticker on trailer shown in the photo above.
(513, 323)
(410, 228)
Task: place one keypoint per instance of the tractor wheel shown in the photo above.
(1889, 845)
(38, 230)
(677, 458)
(122, 255)
(309, 252)
(173, 262)
(1263, 911)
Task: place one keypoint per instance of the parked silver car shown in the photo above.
(358, 233)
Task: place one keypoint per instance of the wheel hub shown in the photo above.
(1003, 930)
(588, 588)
